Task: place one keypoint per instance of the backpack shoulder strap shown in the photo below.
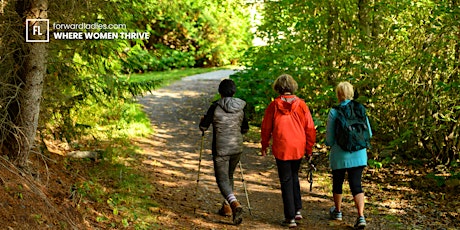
(358, 108)
(341, 108)
(337, 107)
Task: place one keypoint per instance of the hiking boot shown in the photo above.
(298, 215)
(237, 211)
(334, 214)
(226, 210)
(290, 223)
(360, 223)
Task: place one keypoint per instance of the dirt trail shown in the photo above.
(171, 160)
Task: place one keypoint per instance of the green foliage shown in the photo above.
(440, 180)
(90, 73)
(379, 164)
(374, 164)
(138, 60)
(122, 190)
(401, 56)
(87, 78)
(189, 33)
(83, 75)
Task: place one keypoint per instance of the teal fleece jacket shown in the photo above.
(338, 158)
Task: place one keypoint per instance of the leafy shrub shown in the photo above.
(138, 60)
(174, 59)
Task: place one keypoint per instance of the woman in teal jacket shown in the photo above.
(342, 162)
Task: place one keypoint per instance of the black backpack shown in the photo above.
(351, 130)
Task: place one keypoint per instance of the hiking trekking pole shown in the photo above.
(199, 165)
(310, 170)
(245, 189)
(199, 161)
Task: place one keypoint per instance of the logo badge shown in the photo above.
(37, 30)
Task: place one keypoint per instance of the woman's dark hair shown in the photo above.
(227, 88)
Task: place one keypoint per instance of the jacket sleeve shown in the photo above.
(207, 120)
(267, 125)
(330, 127)
(245, 124)
(369, 125)
(310, 131)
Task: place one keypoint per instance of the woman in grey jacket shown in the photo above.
(229, 124)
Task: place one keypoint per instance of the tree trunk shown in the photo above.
(331, 43)
(32, 74)
(363, 16)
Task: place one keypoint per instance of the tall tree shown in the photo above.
(31, 64)
(363, 16)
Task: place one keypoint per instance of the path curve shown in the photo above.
(171, 161)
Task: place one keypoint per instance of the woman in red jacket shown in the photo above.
(289, 124)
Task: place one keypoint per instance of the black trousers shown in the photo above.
(288, 172)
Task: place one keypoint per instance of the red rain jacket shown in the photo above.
(288, 121)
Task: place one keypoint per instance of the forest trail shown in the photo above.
(171, 161)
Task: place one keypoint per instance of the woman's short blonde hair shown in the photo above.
(285, 83)
(344, 91)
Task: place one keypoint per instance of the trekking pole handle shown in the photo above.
(313, 166)
(310, 159)
(315, 153)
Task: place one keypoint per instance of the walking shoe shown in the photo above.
(334, 214)
(226, 210)
(298, 215)
(237, 211)
(290, 223)
(360, 223)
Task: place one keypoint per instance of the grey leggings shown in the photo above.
(224, 167)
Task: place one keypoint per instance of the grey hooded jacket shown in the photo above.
(229, 124)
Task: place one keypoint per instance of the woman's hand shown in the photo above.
(309, 158)
(263, 152)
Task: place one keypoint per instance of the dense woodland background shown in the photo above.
(93, 77)
(403, 58)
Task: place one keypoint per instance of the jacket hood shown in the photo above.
(287, 104)
(231, 104)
